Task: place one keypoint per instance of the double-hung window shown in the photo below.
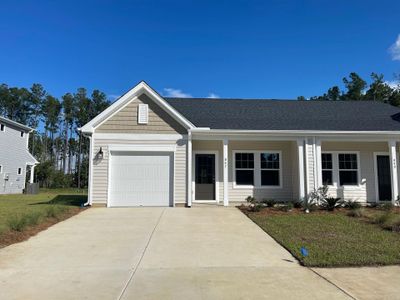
(244, 172)
(348, 168)
(327, 169)
(270, 170)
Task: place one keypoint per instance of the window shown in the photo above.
(269, 165)
(327, 168)
(19, 171)
(348, 169)
(244, 164)
(22, 134)
(143, 114)
(1, 169)
(2, 127)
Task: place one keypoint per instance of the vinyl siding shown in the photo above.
(366, 192)
(100, 168)
(125, 121)
(14, 155)
(289, 184)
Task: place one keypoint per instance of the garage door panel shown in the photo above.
(141, 179)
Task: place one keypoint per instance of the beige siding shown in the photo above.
(125, 121)
(100, 168)
(366, 192)
(289, 183)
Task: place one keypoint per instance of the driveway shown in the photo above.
(157, 253)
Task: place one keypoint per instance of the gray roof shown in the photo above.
(269, 114)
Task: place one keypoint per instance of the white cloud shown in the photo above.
(212, 95)
(395, 49)
(393, 84)
(176, 93)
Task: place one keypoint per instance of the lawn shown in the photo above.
(333, 239)
(22, 216)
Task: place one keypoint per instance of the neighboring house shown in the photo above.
(15, 158)
(145, 149)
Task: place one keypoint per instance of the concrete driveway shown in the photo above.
(157, 253)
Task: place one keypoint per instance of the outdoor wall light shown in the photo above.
(100, 153)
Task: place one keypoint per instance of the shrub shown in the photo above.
(33, 218)
(55, 211)
(319, 195)
(387, 206)
(297, 204)
(356, 213)
(251, 200)
(309, 205)
(382, 218)
(17, 222)
(256, 207)
(287, 206)
(330, 203)
(269, 202)
(352, 204)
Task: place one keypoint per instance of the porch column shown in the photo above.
(31, 178)
(318, 162)
(189, 169)
(393, 170)
(300, 153)
(225, 171)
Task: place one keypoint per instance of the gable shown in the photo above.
(126, 119)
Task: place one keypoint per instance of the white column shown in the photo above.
(31, 178)
(189, 169)
(393, 170)
(225, 171)
(318, 162)
(300, 153)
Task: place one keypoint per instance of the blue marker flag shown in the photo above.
(304, 251)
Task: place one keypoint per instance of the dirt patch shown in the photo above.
(12, 237)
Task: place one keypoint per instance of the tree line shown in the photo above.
(57, 143)
(357, 88)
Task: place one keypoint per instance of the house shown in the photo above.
(15, 159)
(145, 149)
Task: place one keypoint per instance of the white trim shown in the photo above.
(139, 136)
(217, 179)
(393, 169)
(143, 147)
(143, 114)
(307, 167)
(300, 158)
(303, 132)
(318, 162)
(225, 168)
(315, 168)
(16, 124)
(90, 190)
(257, 170)
(189, 170)
(139, 89)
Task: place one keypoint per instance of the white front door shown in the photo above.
(140, 179)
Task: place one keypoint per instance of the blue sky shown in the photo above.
(251, 49)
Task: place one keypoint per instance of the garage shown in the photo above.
(140, 179)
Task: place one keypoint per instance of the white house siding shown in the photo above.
(100, 167)
(366, 191)
(14, 155)
(310, 165)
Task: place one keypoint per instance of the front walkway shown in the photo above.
(157, 253)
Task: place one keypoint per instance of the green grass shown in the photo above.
(332, 239)
(20, 211)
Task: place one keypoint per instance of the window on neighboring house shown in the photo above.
(244, 165)
(1, 169)
(2, 127)
(19, 171)
(348, 169)
(143, 114)
(270, 169)
(327, 168)
(22, 134)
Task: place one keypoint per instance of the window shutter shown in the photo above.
(143, 114)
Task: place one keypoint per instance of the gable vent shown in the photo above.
(143, 114)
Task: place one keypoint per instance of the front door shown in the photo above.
(384, 179)
(205, 177)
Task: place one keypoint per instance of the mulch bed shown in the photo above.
(12, 237)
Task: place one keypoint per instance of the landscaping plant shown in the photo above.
(330, 203)
(269, 202)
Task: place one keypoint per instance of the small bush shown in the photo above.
(33, 218)
(269, 202)
(287, 206)
(309, 205)
(55, 211)
(352, 204)
(330, 203)
(251, 200)
(256, 207)
(297, 204)
(356, 213)
(17, 222)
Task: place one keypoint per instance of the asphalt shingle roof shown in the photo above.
(263, 114)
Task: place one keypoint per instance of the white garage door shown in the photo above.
(140, 179)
